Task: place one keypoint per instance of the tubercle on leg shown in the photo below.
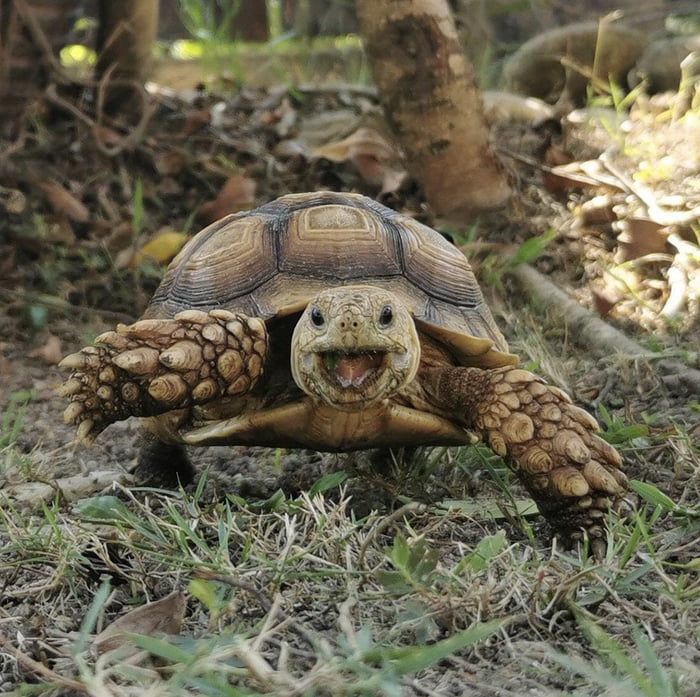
(157, 365)
(573, 475)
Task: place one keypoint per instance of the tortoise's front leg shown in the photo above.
(573, 475)
(159, 365)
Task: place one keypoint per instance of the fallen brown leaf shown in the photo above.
(120, 237)
(170, 162)
(237, 194)
(195, 119)
(376, 160)
(639, 237)
(604, 299)
(63, 202)
(163, 616)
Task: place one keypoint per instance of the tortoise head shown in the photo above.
(354, 346)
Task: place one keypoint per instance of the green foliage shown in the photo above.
(329, 481)
(620, 672)
(415, 563)
(486, 549)
(412, 659)
(13, 417)
(617, 432)
(656, 497)
(211, 22)
(532, 248)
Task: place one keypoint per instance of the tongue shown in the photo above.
(352, 370)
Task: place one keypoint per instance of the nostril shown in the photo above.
(355, 325)
(342, 325)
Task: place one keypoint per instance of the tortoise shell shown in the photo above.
(270, 262)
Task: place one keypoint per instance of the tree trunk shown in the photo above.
(251, 23)
(431, 100)
(24, 61)
(127, 30)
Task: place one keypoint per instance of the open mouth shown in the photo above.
(355, 369)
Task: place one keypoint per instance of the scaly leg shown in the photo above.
(157, 365)
(573, 475)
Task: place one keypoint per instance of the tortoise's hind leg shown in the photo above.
(161, 464)
(157, 365)
(573, 475)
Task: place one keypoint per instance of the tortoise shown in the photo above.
(328, 321)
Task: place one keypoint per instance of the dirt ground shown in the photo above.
(309, 592)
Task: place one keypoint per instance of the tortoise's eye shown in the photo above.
(386, 315)
(317, 317)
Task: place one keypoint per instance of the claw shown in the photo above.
(569, 482)
(79, 361)
(85, 431)
(599, 478)
(113, 340)
(72, 412)
(184, 355)
(70, 387)
(148, 328)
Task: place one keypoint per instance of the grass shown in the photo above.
(446, 585)
(297, 595)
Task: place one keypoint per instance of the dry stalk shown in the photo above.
(384, 523)
(39, 669)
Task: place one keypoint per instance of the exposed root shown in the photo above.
(599, 336)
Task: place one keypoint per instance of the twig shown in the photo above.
(412, 507)
(129, 141)
(40, 669)
(40, 39)
(598, 335)
(136, 134)
(265, 602)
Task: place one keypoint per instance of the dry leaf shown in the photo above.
(120, 237)
(162, 247)
(237, 194)
(364, 141)
(290, 148)
(375, 159)
(63, 202)
(195, 119)
(51, 352)
(164, 616)
(170, 163)
(8, 258)
(604, 299)
(639, 237)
